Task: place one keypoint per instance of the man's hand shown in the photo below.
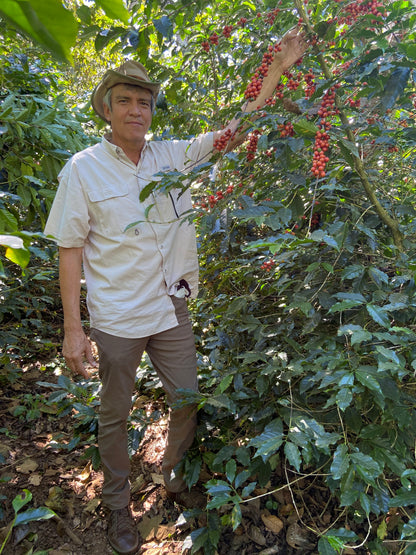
(76, 348)
(293, 46)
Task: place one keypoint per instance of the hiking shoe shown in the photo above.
(122, 532)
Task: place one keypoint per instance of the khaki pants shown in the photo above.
(173, 356)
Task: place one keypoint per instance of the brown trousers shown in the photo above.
(173, 356)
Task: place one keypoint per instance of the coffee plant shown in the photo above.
(305, 321)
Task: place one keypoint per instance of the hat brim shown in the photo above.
(112, 78)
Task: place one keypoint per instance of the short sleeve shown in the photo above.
(68, 221)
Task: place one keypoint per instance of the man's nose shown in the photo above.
(136, 108)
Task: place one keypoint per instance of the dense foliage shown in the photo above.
(306, 316)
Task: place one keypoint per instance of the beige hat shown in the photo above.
(130, 72)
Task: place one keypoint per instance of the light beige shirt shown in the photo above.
(130, 270)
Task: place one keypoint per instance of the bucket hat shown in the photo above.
(131, 72)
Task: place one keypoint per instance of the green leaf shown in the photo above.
(46, 22)
(32, 515)
(388, 354)
(164, 26)
(347, 304)
(236, 516)
(366, 466)
(230, 470)
(322, 237)
(366, 379)
(305, 127)
(325, 548)
(242, 477)
(365, 503)
(395, 86)
(247, 491)
(378, 276)
(21, 500)
(352, 272)
(197, 539)
(411, 51)
(9, 220)
(349, 149)
(404, 498)
(115, 9)
(344, 398)
(379, 315)
(293, 455)
(270, 440)
(224, 384)
(360, 336)
(341, 462)
(20, 257)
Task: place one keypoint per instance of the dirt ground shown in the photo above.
(68, 485)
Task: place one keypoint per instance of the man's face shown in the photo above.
(130, 115)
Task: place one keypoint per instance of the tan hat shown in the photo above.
(130, 72)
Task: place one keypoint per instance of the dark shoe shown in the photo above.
(122, 532)
(193, 499)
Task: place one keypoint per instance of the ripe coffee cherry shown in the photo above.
(252, 145)
(227, 31)
(254, 87)
(268, 265)
(213, 38)
(320, 159)
(310, 83)
(221, 143)
(206, 46)
(286, 129)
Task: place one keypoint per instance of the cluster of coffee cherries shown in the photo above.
(211, 200)
(354, 102)
(354, 10)
(252, 144)
(269, 17)
(254, 87)
(327, 107)
(326, 110)
(286, 129)
(314, 220)
(320, 159)
(310, 88)
(222, 141)
(213, 39)
(268, 265)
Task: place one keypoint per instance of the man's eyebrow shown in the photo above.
(127, 97)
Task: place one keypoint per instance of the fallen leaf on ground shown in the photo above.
(272, 523)
(255, 534)
(158, 479)
(35, 479)
(27, 466)
(148, 526)
(165, 531)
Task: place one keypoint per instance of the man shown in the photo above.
(140, 264)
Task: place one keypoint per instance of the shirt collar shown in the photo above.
(117, 151)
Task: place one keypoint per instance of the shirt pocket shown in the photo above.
(112, 211)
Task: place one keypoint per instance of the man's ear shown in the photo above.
(107, 112)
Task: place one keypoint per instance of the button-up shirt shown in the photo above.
(134, 253)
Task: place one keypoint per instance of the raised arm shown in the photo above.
(292, 47)
(76, 346)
